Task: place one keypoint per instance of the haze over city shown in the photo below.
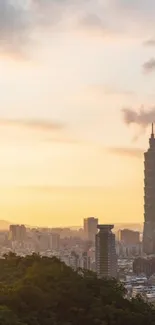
(76, 107)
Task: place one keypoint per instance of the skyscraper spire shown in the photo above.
(152, 129)
(152, 134)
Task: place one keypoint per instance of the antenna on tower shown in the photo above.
(152, 130)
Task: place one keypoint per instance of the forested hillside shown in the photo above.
(44, 291)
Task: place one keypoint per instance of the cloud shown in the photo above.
(110, 90)
(21, 19)
(149, 66)
(92, 22)
(15, 25)
(51, 131)
(141, 117)
(128, 152)
(150, 42)
(63, 140)
(34, 124)
(113, 17)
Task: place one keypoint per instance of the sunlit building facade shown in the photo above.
(90, 228)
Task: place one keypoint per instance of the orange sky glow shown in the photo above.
(76, 104)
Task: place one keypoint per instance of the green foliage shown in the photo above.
(44, 291)
(7, 317)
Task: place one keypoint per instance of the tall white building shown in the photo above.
(105, 252)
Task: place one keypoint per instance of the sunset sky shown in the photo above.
(77, 97)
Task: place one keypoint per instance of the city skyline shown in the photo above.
(76, 107)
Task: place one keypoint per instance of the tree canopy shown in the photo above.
(38, 290)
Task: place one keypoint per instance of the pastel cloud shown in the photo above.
(35, 124)
(150, 42)
(126, 152)
(140, 117)
(149, 66)
(20, 20)
(17, 131)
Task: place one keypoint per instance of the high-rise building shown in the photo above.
(90, 228)
(17, 233)
(144, 266)
(55, 241)
(85, 261)
(128, 237)
(105, 251)
(149, 198)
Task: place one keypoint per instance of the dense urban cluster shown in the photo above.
(93, 247)
(76, 247)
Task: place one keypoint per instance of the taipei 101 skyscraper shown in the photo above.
(149, 198)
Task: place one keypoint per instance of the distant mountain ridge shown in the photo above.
(119, 225)
(132, 226)
(5, 224)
